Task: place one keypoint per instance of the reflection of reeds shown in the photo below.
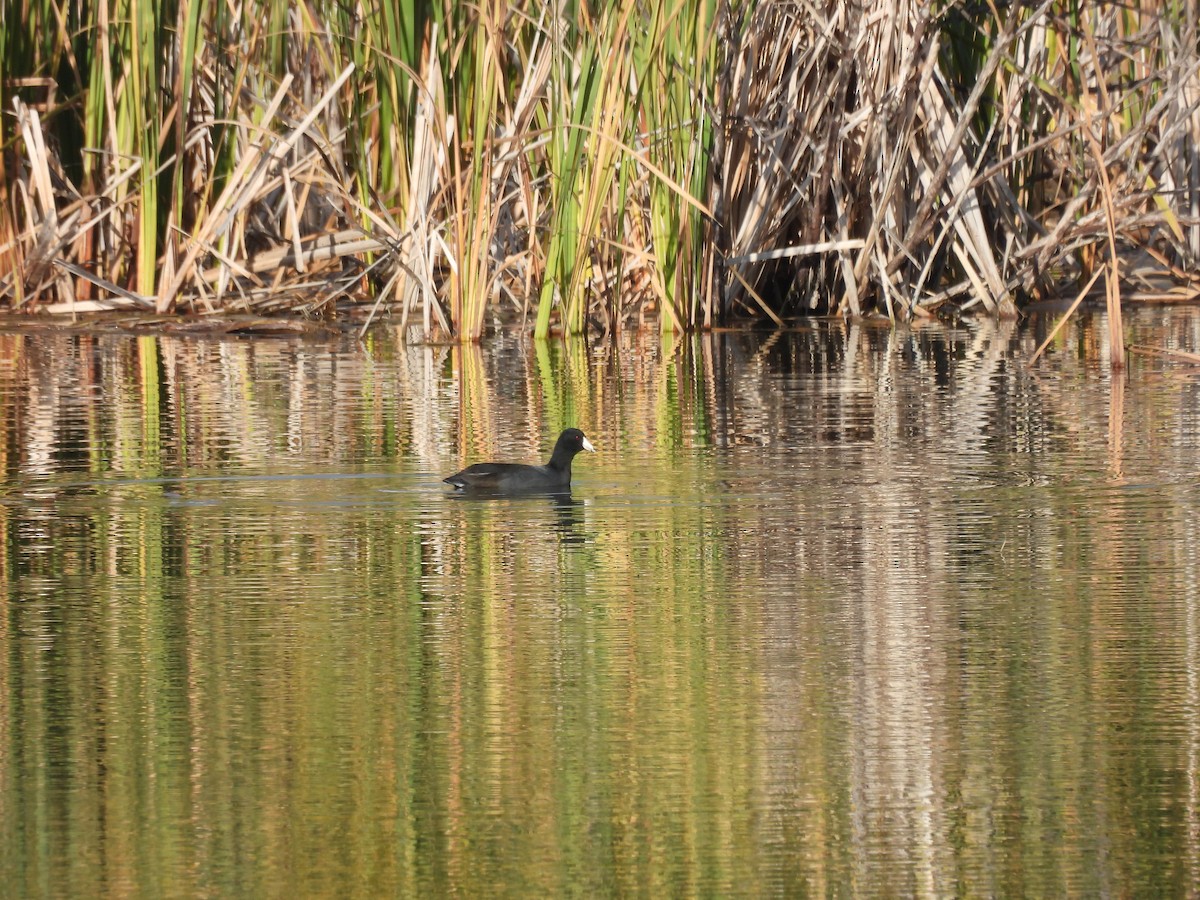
(688, 158)
(424, 674)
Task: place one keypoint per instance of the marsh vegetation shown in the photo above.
(604, 164)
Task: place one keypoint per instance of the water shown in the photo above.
(842, 611)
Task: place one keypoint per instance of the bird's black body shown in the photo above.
(515, 477)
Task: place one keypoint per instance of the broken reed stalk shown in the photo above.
(716, 161)
(1167, 353)
(1066, 316)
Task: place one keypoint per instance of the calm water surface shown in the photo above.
(838, 612)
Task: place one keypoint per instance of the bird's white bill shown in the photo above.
(587, 445)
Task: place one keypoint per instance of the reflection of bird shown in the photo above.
(553, 476)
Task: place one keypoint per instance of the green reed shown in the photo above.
(588, 112)
(676, 63)
(475, 207)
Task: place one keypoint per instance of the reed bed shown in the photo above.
(678, 164)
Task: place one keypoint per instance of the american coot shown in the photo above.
(515, 477)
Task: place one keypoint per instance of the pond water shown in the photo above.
(837, 611)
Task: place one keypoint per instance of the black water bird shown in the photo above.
(516, 477)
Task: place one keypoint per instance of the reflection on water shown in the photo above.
(838, 611)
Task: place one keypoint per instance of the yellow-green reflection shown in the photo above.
(846, 611)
